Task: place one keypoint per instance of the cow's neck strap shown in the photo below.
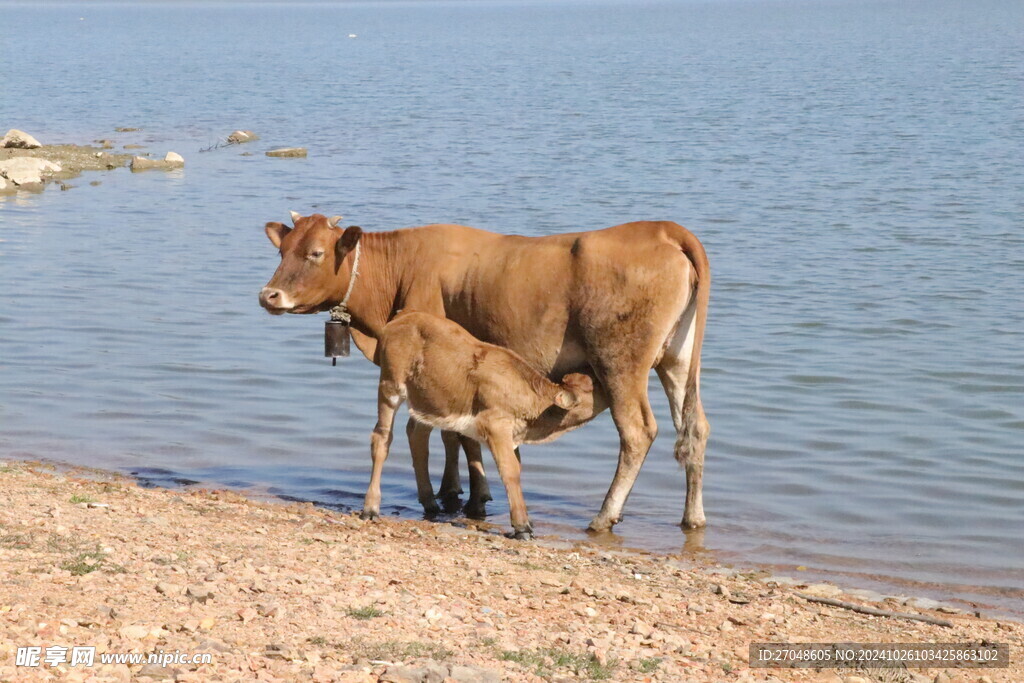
(340, 312)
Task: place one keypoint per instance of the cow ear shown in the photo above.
(276, 233)
(348, 240)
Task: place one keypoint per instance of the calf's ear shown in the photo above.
(566, 399)
(348, 240)
(574, 387)
(276, 233)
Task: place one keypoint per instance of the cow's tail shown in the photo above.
(693, 435)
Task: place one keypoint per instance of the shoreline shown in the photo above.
(280, 590)
(865, 584)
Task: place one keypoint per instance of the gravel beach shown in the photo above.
(285, 591)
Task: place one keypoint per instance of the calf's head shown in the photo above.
(310, 277)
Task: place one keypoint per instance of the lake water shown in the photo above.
(853, 168)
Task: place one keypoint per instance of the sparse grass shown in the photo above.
(317, 640)
(6, 469)
(526, 564)
(180, 557)
(488, 641)
(368, 612)
(85, 562)
(545, 661)
(648, 665)
(81, 561)
(64, 545)
(78, 498)
(16, 541)
(399, 651)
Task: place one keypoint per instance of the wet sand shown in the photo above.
(285, 591)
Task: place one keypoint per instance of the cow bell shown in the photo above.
(336, 336)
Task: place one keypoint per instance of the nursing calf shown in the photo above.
(453, 381)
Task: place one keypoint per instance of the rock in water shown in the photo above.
(172, 160)
(240, 136)
(19, 140)
(287, 152)
(25, 170)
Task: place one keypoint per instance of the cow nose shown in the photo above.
(270, 297)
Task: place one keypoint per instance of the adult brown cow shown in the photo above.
(621, 300)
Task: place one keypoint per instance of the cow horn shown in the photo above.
(295, 216)
(334, 220)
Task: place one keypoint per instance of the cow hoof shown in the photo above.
(694, 523)
(475, 509)
(601, 526)
(451, 503)
(369, 514)
(431, 509)
(526, 535)
(453, 492)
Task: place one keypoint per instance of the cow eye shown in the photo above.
(317, 255)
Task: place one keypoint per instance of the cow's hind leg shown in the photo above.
(419, 445)
(451, 484)
(634, 419)
(479, 489)
(692, 432)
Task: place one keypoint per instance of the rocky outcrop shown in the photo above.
(18, 139)
(170, 161)
(287, 152)
(27, 170)
(240, 136)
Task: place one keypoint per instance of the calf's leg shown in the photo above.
(499, 441)
(451, 485)
(419, 444)
(380, 443)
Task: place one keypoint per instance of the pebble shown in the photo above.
(165, 588)
(823, 590)
(641, 628)
(157, 672)
(134, 631)
(200, 594)
(923, 603)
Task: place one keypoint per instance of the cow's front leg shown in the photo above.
(380, 444)
(637, 428)
(419, 445)
(479, 489)
(451, 484)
